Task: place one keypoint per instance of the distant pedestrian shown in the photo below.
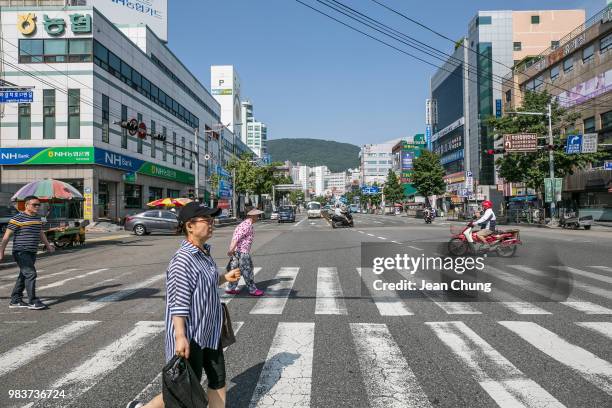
(240, 253)
(194, 314)
(26, 227)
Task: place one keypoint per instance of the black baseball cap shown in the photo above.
(195, 209)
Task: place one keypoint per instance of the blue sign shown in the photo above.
(370, 190)
(428, 136)
(16, 96)
(608, 165)
(117, 161)
(18, 156)
(574, 144)
(452, 157)
(498, 108)
(222, 172)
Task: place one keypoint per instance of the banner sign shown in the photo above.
(88, 206)
(521, 142)
(407, 160)
(16, 96)
(587, 90)
(552, 189)
(50, 155)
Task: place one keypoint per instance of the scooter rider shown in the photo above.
(487, 221)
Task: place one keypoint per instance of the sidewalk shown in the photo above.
(92, 237)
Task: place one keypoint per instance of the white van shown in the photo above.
(314, 209)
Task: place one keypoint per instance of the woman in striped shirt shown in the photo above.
(193, 308)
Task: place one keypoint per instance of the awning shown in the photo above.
(524, 198)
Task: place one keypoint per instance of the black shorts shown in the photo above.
(212, 361)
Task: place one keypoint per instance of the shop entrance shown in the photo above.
(107, 201)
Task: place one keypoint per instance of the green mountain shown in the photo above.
(315, 152)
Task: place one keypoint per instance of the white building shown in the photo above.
(246, 117)
(318, 179)
(337, 183)
(257, 138)
(376, 160)
(87, 74)
(225, 84)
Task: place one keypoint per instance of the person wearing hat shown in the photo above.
(194, 314)
(239, 251)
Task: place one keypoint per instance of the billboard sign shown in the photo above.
(7, 96)
(521, 142)
(153, 13)
(586, 90)
(50, 155)
(407, 160)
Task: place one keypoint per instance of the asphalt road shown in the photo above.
(323, 336)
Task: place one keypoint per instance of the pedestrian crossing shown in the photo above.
(287, 373)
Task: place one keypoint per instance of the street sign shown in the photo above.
(608, 165)
(15, 96)
(589, 143)
(498, 108)
(142, 130)
(574, 144)
(133, 127)
(521, 142)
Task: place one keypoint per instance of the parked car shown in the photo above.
(354, 208)
(314, 209)
(274, 215)
(6, 213)
(150, 221)
(286, 213)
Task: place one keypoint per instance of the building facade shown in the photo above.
(336, 184)
(578, 73)
(257, 138)
(375, 162)
(87, 74)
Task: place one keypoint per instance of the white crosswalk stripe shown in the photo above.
(602, 268)
(505, 384)
(39, 278)
(330, 299)
(30, 350)
(82, 378)
(286, 377)
(277, 294)
(64, 281)
(603, 328)
(378, 353)
(590, 275)
(588, 365)
(387, 302)
(96, 304)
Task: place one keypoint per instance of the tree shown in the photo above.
(428, 174)
(393, 190)
(532, 168)
(296, 197)
(214, 185)
(320, 199)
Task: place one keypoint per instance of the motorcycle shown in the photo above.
(428, 217)
(464, 241)
(571, 220)
(341, 222)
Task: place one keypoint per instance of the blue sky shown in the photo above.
(308, 76)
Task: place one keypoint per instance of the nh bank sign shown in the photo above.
(27, 24)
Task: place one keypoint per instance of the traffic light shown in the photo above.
(492, 152)
(160, 136)
(191, 194)
(130, 125)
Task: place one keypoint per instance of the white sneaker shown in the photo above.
(135, 404)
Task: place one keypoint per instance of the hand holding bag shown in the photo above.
(227, 332)
(180, 386)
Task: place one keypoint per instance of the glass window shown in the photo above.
(535, 19)
(155, 193)
(539, 81)
(588, 52)
(146, 87)
(589, 125)
(56, 47)
(139, 143)
(100, 55)
(25, 121)
(30, 51)
(124, 132)
(105, 119)
(114, 64)
(126, 73)
(167, 214)
(136, 80)
(74, 113)
(568, 64)
(605, 43)
(484, 20)
(151, 214)
(509, 95)
(48, 113)
(517, 46)
(80, 46)
(554, 44)
(133, 196)
(606, 119)
(154, 93)
(554, 71)
(174, 193)
(162, 98)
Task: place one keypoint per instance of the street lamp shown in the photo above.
(551, 157)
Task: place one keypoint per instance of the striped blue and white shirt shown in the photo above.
(26, 230)
(191, 291)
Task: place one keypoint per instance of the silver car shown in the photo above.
(150, 221)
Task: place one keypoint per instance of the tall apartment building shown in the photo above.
(375, 162)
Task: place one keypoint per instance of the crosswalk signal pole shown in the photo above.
(197, 165)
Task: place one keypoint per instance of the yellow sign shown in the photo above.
(88, 206)
(26, 23)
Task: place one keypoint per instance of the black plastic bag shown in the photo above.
(180, 386)
(227, 331)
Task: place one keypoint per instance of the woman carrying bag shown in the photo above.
(194, 314)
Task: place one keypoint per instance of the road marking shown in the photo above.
(155, 386)
(505, 383)
(592, 368)
(241, 284)
(387, 376)
(110, 238)
(63, 281)
(580, 272)
(387, 302)
(582, 286)
(602, 268)
(452, 308)
(395, 242)
(90, 307)
(603, 328)
(39, 278)
(361, 232)
(371, 235)
(276, 295)
(330, 299)
(31, 349)
(588, 308)
(82, 378)
(413, 247)
(517, 305)
(286, 377)
(381, 237)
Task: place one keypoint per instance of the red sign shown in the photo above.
(223, 204)
(142, 130)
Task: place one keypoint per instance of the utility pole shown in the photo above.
(197, 165)
(551, 162)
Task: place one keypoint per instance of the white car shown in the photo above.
(274, 215)
(314, 209)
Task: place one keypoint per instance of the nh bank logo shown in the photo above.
(54, 26)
